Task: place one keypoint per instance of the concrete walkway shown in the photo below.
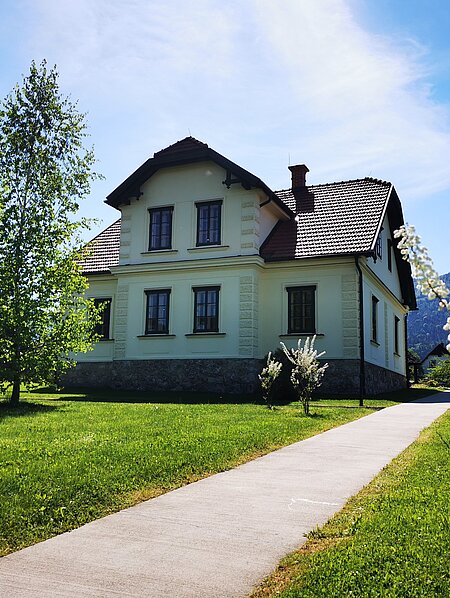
(219, 536)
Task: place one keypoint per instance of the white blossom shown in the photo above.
(307, 372)
(427, 279)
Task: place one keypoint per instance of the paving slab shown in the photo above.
(221, 536)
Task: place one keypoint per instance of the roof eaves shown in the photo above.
(317, 256)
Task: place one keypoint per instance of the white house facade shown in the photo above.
(208, 269)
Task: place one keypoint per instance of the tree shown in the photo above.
(44, 172)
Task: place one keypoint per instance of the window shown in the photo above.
(396, 334)
(102, 328)
(208, 223)
(301, 309)
(379, 248)
(374, 319)
(389, 254)
(206, 309)
(157, 314)
(160, 228)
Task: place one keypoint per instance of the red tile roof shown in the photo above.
(103, 251)
(332, 219)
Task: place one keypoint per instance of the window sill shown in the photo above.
(374, 343)
(158, 335)
(297, 334)
(158, 251)
(209, 248)
(194, 334)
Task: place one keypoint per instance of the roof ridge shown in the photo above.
(189, 140)
(362, 179)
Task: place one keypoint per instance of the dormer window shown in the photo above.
(160, 228)
(209, 222)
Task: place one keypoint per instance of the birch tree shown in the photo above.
(44, 172)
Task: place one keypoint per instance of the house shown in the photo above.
(438, 354)
(208, 269)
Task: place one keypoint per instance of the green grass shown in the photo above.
(68, 458)
(390, 540)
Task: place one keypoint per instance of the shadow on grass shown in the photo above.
(91, 395)
(23, 408)
(404, 395)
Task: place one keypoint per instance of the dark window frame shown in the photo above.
(304, 327)
(396, 334)
(379, 248)
(103, 328)
(374, 327)
(158, 293)
(206, 321)
(156, 235)
(389, 254)
(211, 232)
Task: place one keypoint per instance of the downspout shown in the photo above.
(362, 367)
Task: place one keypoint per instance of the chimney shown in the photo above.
(298, 176)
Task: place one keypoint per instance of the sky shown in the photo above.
(351, 88)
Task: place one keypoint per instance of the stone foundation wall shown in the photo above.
(381, 380)
(342, 378)
(232, 376)
(208, 375)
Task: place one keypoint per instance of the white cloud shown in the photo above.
(364, 99)
(258, 81)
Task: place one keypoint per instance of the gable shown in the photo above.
(189, 151)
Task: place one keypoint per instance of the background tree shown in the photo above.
(44, 172)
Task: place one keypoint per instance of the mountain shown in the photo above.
(425, 324)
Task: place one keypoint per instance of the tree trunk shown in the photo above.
(15, 395)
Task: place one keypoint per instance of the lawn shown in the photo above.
(392, 539)
(66, 459)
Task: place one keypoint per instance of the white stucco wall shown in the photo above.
(381, 352)
(380, 266)
(336, 305)
(244, 225)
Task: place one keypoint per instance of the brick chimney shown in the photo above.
(298, 176)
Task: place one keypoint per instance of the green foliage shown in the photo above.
(440, 374)
(44, 172)
(65, 462)
(267, 378)
(413, 356)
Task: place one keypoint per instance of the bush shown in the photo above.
(282, 391)
(307, 372)
(267, 377)
(440, 374)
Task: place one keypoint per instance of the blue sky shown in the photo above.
(351, 88)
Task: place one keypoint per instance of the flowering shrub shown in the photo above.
(267, 378)
(307, 373)
(427, 278)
